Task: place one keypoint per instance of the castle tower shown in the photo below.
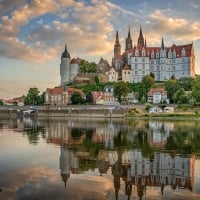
(141, 38)
(117, 47)
(128, 41)
(65, 67)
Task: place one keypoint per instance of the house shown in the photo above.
(109, 98)
(60, 96)
(157, 95)
(132, 97)
(98, 97)
(126, 74)
(112, 74)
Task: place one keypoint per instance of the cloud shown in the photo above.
(180, 29)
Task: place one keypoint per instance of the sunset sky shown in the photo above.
(33, 34)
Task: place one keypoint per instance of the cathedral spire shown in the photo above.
(117, 46)
(162, 44)
(141, 38)
(128, 41)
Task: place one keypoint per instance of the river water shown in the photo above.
(97, 159)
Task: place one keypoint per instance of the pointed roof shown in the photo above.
(162, 44)
(117, 40)
(141, 38)
(65, 53)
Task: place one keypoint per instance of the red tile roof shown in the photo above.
(178, 49)
(153, 90)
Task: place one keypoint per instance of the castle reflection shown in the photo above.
(139, 154)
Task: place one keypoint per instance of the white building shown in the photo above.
(68, 68)
(163, 62)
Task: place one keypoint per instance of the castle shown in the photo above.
(137, 61)
(163, 62)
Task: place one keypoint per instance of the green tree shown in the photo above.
(87, 67)
(177, 95)
(120, 90)
(186, 83)
(1, 103)
(196, 90)
(171, 86)
(33, 97)
(76, 98)
(146, 84)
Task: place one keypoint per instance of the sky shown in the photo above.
(33, 34)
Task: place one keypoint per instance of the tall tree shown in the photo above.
(196, 90)
(171, 86)
(33, 97)
(120, 90)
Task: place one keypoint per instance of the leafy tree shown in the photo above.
(76, 98)
(1, 103)
(178, 94)
(120, 90)
(89, 97)
(146, 84)
(171, 86)
(152, 75)
(186, 83)
(33, 97)
(87, 67)
(196, 90)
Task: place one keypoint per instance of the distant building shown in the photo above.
(68, 68)
(102, 66)
(157, 95)
(112, 74)
(132, 97)
(98, 97)
(164, 62)
(60, 96)
(109, 98)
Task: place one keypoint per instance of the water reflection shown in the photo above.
(141, 155)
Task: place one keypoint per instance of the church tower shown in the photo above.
(65, 67)
(117, 47)
(128, 41)
(141, 38)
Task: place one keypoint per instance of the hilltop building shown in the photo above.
(68, 68)
(164, 62)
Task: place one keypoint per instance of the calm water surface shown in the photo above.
(99, 159)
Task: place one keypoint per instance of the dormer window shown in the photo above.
(152, 54)
(136, 52)
(174, 54)
(157, 54)
(143, 52)
(183, 52)
(170, 54)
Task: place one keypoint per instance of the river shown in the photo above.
(97, 159)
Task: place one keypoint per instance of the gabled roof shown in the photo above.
(153, 90)
(126, 67)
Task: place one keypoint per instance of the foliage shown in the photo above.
(1, 103)
(177, 95)
(120, 90)
(186, 83)
(171, 86)
(33, 97)
(76, 98)
(146, 84)
(89, 98)
(87, 67)
(196, 90)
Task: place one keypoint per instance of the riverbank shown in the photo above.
(89, 111)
